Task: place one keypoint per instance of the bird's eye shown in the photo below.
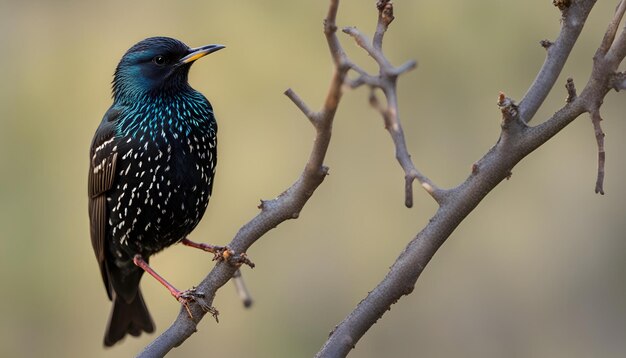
(159, 60)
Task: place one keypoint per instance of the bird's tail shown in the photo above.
(127, 317)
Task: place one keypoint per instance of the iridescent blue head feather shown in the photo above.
(156, 66)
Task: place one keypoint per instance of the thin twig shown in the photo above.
(607, 58)
(595, 119)
(364, 43)
(386, 81)
(611, 31)
(618, 48)
(312, 116)
(385, 17)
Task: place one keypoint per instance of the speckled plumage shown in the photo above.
(152, 163)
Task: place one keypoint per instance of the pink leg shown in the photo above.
(139, 261)
(221, 253)
(184, 297)
(205, 247)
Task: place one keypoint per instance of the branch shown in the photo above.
(517, 140)
(608, 43)
(385, 17)
(595, 119)
(574, 16)
(273, 212)
(607, 59)
(386, 81)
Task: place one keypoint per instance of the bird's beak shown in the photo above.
(199, 52)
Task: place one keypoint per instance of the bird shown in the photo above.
(151, 169)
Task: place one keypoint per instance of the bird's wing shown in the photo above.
(102, 163)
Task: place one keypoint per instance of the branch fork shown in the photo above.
(386, 81)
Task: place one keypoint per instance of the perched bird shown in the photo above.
(152, 163)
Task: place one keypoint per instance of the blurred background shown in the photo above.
(537, 270)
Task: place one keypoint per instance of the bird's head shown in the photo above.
(156, 65)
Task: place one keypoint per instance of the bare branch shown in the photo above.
(607, 59)
(364, 43)
(611, 31)
(609, 55)
(402, 155)
(312, 116)
(487, 173)
(242, 289)
(330, 30)
(574, 18)
(595, 119)
(618, 48)
(406, 67)
(386, 81)
(385, 17)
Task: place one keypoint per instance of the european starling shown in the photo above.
(152, 163)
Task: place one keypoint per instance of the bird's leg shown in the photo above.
(184, 297)
(218, 251)
(221, 253)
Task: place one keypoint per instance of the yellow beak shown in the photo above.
(199, 52)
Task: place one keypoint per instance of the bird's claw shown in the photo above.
(191, 295)
(221, 253)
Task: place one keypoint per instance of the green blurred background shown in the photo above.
(538, 270)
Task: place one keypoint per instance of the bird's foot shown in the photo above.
(191, 295)
(228, 255)
(221, 253)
